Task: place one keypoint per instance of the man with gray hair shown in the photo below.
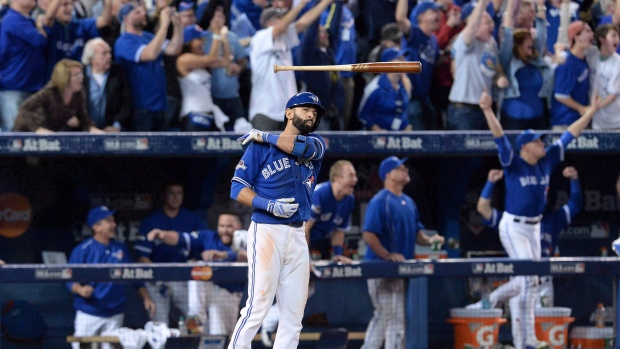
(110, 104)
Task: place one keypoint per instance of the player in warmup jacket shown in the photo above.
(276, 176)
(220, 300)
(100, 306)
(172, 216)
(551, 225)
(527, 180)
(391, 229)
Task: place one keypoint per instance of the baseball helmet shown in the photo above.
(307, 99)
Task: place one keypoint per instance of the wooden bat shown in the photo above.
(379, 67)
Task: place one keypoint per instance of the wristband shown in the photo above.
(217, 37)
(271, 139)
(261, 203)
(487, 191)
(338, 250)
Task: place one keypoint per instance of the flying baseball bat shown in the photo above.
(379, 67)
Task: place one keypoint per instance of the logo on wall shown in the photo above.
(15, 215)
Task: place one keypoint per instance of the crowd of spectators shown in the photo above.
(170, 65)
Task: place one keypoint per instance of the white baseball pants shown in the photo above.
(388, 319)
(162, 293)
(91, 325)
(221, 305)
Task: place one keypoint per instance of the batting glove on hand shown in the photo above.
(283, 208)
(253, 135)
(616, 246)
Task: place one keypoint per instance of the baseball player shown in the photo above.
(171, 217)
(221, 301)
(527, 180)
(332, 207)
(551, 225)
(391, 229)
(100, 306)
(276, 176)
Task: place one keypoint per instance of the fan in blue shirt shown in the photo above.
(100, 306)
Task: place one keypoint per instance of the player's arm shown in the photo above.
(372, 240)
(283, 208)
(576, 127)
(486, 104)
(483, 206)
(575, 200)
(168, 237)
(307, 147)
(308, 229)
(149, 305)
(219, 255)
(425, 240)
(338, 247)
(84, 291)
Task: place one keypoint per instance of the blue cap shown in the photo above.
(420, 8)
(125, 9)
(184, 6)
(467, 9)
(388, 164)
(193, 31)
(392, 53)
(306, 98)
(526, 137)
(98, 213)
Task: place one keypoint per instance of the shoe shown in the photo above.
(477, 305)
(265, 338)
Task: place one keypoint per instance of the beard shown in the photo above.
(302, 124)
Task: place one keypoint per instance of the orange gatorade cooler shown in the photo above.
(475, 328)
(552, 326)
(592, 337)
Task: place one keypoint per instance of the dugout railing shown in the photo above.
(46, 284)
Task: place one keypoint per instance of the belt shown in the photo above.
(526, 221)
(465, 105)
(296, 224)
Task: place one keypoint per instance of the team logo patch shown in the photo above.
(118, 255)
(241, 166)
(309, 181)
(315, 99)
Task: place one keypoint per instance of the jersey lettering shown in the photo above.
(279, 165)
(532, 180)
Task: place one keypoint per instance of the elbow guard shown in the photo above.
(304, 147)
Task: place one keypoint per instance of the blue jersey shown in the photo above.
(67, 40)
(274, 174)
(108, 298)
(384, 106)
(425, 49)
(157, 252)
(328, 214)
(396, 222)
(147, 79)
(552, 222)
(571, 80)
(527, 185)
(203, 240)
(22, 53)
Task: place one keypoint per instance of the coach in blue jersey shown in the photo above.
(551, 225)
(221, 300)
(332, 207)
(276, 176)
(100, 306)
(527, 180)
(391, 229)
(175, 218)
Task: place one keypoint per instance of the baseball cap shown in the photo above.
(392, 53)
(125, 9)
(193, 31)
(420, 8)
(526, 137)
(388, 164)
(269, 13)
(98, 213)
(574, 29)
(184, 6)
(467, 9)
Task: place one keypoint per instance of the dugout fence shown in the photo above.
(433, 288)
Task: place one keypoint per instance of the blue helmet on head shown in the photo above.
(307, 99)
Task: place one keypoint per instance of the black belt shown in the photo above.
(296, 224)
(466, 105)
(526, 221)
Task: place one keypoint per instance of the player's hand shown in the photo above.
(214, 255)
(254, 135)
(150, 307)
(570, 172)
(495, 175)
(283, 208)
(73, 122)
(437, 238)
(342, 259)
(155, 234)
(486, 102)
(396, 257)
(85, 291)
